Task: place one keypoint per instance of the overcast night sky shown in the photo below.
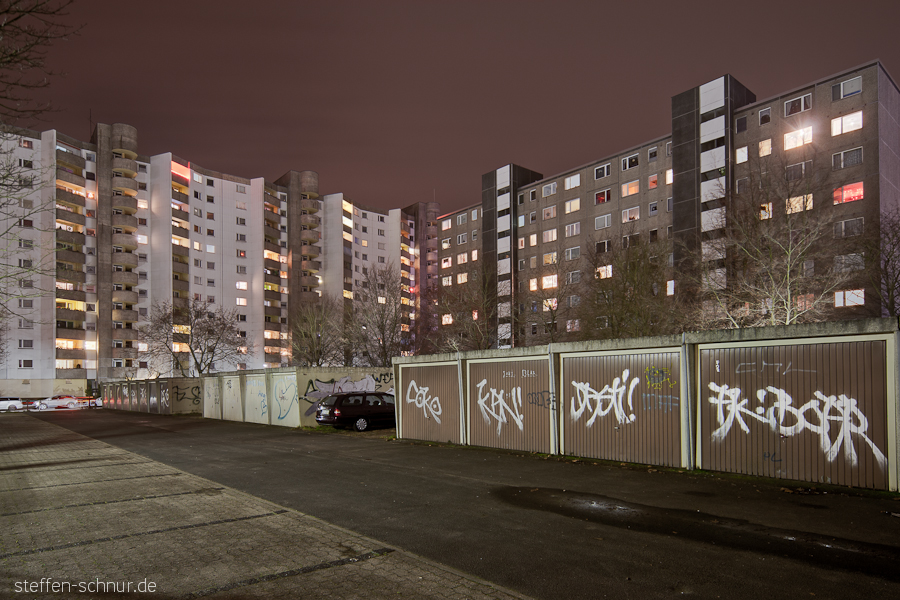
(395, 102)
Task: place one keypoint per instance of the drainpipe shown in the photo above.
(687, 429)
(554, 427)
(462, 404)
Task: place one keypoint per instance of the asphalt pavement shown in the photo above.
(540, 526)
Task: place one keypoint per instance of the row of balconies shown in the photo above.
(125, 259)
(69, 198)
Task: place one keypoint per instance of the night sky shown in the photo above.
(395, 102)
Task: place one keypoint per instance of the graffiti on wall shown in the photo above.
(611, 398)
(256, 390)
(285, 395)
(317, 389)
(185, 393)
(501, 405)
(164, 396)
(430, 405)
(835, 419)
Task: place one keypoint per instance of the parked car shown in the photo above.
(61, 401)
(89, 402)
(11, 404)
(360, 410)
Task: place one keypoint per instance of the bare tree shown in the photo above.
(882, 254)
(194, 340)
(379, 323)
(550, 296)
(317, 330)
(771, 259)
(467, 311)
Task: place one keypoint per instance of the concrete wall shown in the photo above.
(809, 402)
(176, 395)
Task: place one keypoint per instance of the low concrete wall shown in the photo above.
(177, 395)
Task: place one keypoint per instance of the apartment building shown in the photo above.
(844, 128)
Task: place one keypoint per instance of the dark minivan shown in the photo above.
(360, 410)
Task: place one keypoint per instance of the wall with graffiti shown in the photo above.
(814, 403)
(157, 396)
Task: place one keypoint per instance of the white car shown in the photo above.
(64, 401)
(11, 404)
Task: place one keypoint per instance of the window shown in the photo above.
(549, 235)
(847, 123)
(573, 229)
(652, 182)
(210, 248)
(602, 171)
(26, 324)
(447, 280)
(670, 176)
(26, 363)
(740, 155)
(548, 190)
(211, 216)
(740, 125)
(240, 285)
(461, 238)
(198, 212)
(26, 223)
(798, 105)
(521, 264)
(604, 272)
(602, 197)
(848, 158)
(240, 220)
(462, 258)
(848, 228)
(446, 262)
(799, 204)
(242, 254)
(572, 253)
(573, 205)
(532, 262)
(851, 87)
(381, 259)
(532, 239)
(630, 162)
(241, 189)
(549, 258)
(573, 181)
(26, 244)
(461, 219)
(631, 188)
(240, 301)
(631, 214)
(573, 277)
(602, 222)
(653, 208)
(652, 153)
(446, 224)
(849, 262)
(849, 193)
(445, 244)
(241, 237)
(765, 211)
(521, 244)
(26, 344)
(241, 205)
(849, 298)
(795, 139)
(462, 277)
(549, 212)
(210, 232)
(765, 116)
(549, 281)
(765, 147)
(27, 164)
(23, 143)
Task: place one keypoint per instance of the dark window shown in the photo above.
(740, 125)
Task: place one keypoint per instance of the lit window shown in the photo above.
(851, 87)
(740, 155)
(549, 281)
(795, 139)
(448, 280)
(847, 123)
(532, 284)
(141, 238)
(462, 258)
(604, 272)
(240, 301)
(602, 222)
(652, 182)
(765, 147)
(549, 189)
(550, 304)
(631, 188)
(462, 277)
(210, 248)
(142, 204)
(549, 212)
(446, 224)
(445, 244)
(849, 193)
(799, 204)
(573, 205)
(849, 298)
(532, 239)
(549, 235)
(447, 262)
(474, 255)
(798, 105)
(573, 229)
(602, 171)
(521, 243)
(670, 287)
(240, 285)
(631, 214)
(629, 162)
(446, 319)
(670, 177)
(602, 197)
(550, 258)
(765, 211)
(382, 300)
(573, 181)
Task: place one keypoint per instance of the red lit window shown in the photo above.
(602, 197)
(849, 193)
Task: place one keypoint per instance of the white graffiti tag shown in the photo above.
(500, 407)
(613, 395)
(819, 416)
(428, 404)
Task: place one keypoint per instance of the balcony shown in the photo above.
(70, 275)
(180, 198)
(310, 206)
(273, 357)
(181, 232)
(180, 181)
(118, 372)
(70, 178)
(76, 295)
(69, 217)
(69, 197)
(125, 277)
(308, 280)
(124, 139)
(70, 256)
(272, 311)
(310, 220)
(74, 354)
(67, 314)
(127, 222)
(312, 266)
(272, 295)
(70, 158)
(67, 333)
(125, 334)
(272, 265)
(272, 279)
(126, 240)
(306, 296)
(181, 215)
(182, 286)
(125, 296)
(307, 251)
(127, 204)
(71, 373)
(309, 236)
(179, 267)
(272, 247)
(180, 303)
(126, 166)
(181, 250)
(125, 315)
(126, 185)
(125, 259)
(125, 353)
